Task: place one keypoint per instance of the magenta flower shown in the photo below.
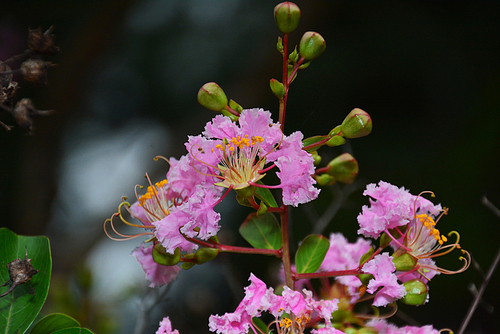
(382, 269)
(236, 154)
(258, 298)
(166, 327)
(384, 327)
(156, 273)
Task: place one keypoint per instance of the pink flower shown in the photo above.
(258, 298)
(343, 255)
(166, 327)
(236, 154)
(386, 328)
(156, 273)
(382, 268)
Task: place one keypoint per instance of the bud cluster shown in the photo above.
(33, 69)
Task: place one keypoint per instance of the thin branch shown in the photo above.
(489, 274)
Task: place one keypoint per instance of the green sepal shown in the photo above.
(290, 70)
(54, 322)
(313, 140)
(335, 131)
(264, 194)
(160, 256)
(279, 45)
(232, 116)
(336, 141)
(277, 88)
(262, 209)
(344, 168)
(19, 308)
(311, 253)
(262, 231)
(304, 65)
(243, 201)
(235, 106)
(366, 256)
(205, 254)
(187, 265)
(294, 56)
(385, 240)
(214, 238)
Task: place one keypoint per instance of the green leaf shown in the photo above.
(262, 232)
(73, 330)
(54, 322)
(19, 308)
(264, 194)
(260, 325)
(311, 253)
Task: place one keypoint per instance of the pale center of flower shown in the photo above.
(155, 201)
(239, 163)
(424, 235)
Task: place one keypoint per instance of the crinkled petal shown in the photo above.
(156, 273)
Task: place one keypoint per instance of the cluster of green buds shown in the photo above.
(343, 168)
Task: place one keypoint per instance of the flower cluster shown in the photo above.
(292, 310)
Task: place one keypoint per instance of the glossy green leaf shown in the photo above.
(73, 330)
(54, 322)
(262, 232)
(311, 253)
(19, 308)
(264, 194)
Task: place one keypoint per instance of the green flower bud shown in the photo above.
(344, 168)
(335, 131)
(357, 124)
(277, 88)
(160, 256)
(404, 261)
(317, 158)
(205, 254)
(262, 209)
(368, 330)
(235, 106)
(325, 179)
(336, 141)
(287, 16)
(416, 292)
(312, 45)
(211, 96)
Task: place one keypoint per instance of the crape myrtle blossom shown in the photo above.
(258, 298)
(382, 269)
(412, 219)
(166, 327)
(384, 327)
(237, 154)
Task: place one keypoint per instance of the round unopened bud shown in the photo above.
(212, 97)
(404, 261)
(357, 124)
(312, 45)
(416, 292)
(325, 179)
(316, 158)
(344, 168)
(205, 254)
(277, 88)
(287, 16)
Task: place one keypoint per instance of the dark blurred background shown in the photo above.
(124, 88)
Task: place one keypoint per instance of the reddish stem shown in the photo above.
(235, 249)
